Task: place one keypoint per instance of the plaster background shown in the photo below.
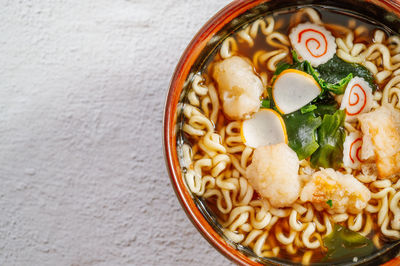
(82, 173)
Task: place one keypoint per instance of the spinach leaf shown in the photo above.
(308, 108)
(301, 131)
(340, 86)
(343, 244)
(331, 136)
(326, 104)
(295, 57)
(265, 103)
(280, 67)
(336, 69)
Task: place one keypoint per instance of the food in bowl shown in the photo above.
(291, 135)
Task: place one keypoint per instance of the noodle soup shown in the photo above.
(291, 136)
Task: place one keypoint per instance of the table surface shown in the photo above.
(83, 180)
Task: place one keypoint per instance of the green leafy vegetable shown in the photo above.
(308, 108)
(331, 136)
(339, 87)
(280, 67)
(301, 126)
(265, 103)
(343, 244)
(336, 69)
(301, 131)
(329, 202)
(326, 104)
(295, 57)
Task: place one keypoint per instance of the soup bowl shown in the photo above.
(230, 18)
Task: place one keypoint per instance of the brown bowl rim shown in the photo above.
(212, 26)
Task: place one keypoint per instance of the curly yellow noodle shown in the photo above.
(355, 223)
(220, 163)
(308, 215)
(307, 257)
(291, 249)
(299, 208)
(193, 100)
(245, 227)
(233, 236)
(338, 218)
(394, 45)
(310, 13)
(397, 185)
(221, 199)
(282, 238)
(192, 131)
(367, 226)
(197, 86)
(382, 193)
(360, 30)
(246, 156)
(383, 211)
(187, 155)
(391, 93)
(252, 236)
(328, 224)
(239, 221)
(235, 149)
(235, 214)
(394, 208)
(320, 227)
(337, 28)
(244, 36)
(201, 122)
(294, 223)
(357, 49)
(306, 237)
(213, 142)
(228, 48)
(200, 164)
(264, 79)
(269, 59)
(376, 241)
(261, 222)
(273, 253)
(205, 103)
(236, 164)
(379, 36)
(249, 33)
(278, 40)
(381, 183)
(245, 193)
(265, 25)
(387, 232)
(227, 184)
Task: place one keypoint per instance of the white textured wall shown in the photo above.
(82, 86)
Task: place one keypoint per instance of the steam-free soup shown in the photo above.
(292, 136)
